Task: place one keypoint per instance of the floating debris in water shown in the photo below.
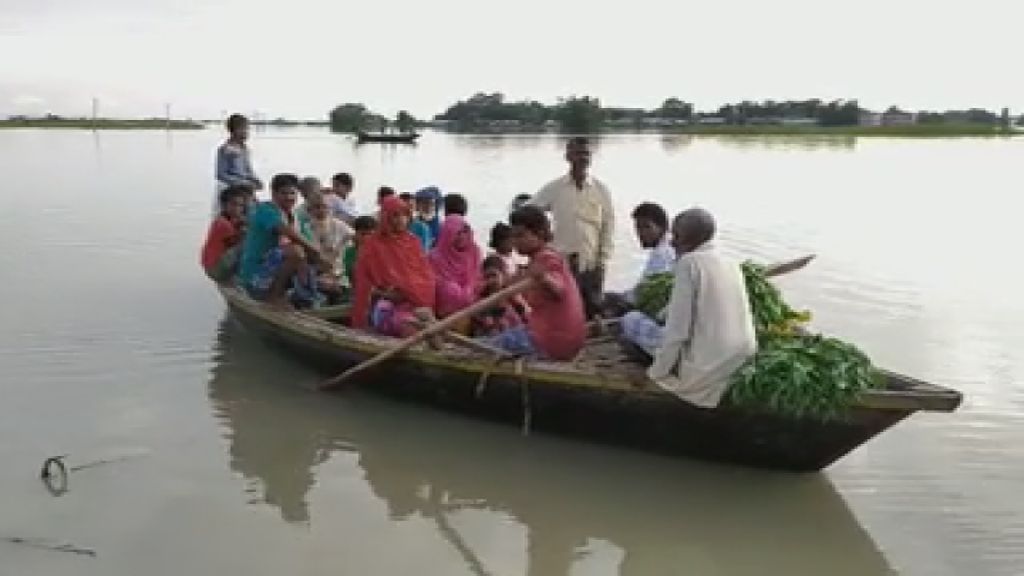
(54, 473)
(44, 544)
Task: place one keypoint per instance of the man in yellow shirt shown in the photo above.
(584, 221)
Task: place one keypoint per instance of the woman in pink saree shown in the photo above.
(456, 263)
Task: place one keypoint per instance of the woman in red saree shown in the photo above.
(392, 266)
(456, 262)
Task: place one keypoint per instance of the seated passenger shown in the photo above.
(709, 330)
(222, 246)
(364, 226)
(342, 203)
(428, 202)
(456, 263)
(455, 204)
(504, 315)
(556, 328)
(651, 226)
(393, 284)
(274, 253)
(308, 186)
(501, 243)
(518, 202)
(330, 235)
(418, 229)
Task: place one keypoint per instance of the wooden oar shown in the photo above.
(787, 267)
(467, 342)
(431, 330)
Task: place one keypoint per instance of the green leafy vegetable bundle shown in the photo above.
(653, 293)
(802, 375)
(794, 373)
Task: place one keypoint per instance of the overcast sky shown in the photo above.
(298, 58)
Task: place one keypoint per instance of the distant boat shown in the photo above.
(399, 138)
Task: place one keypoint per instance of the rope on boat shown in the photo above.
(481, 383)
(524, 385)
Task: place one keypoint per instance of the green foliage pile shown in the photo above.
(794, 373)
(653, 293)
(802, 375)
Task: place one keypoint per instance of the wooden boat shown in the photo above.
(398, 138)
(600, 396)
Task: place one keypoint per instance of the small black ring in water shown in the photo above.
(56, 484)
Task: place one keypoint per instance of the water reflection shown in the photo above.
(808, 142)
(676, 142)
(553, 141)
(661, 515)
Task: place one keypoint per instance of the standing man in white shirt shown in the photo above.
(584, 221)
(709, 329)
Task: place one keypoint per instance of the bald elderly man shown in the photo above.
(709, 330)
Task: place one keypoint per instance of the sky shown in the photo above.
(299, 58)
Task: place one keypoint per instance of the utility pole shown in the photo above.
(167, 116)
(95, 110)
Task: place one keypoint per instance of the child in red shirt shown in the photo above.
(556, 328)
(220, 251)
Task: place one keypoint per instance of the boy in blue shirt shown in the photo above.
(274, 252)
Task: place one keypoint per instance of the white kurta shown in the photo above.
(709, 332)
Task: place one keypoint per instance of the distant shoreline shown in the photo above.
(102, 124)
(907, 131)
(910, 131)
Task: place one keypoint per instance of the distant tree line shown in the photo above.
(835, 113)
(581, 114)
(572, 114)
(585, 113)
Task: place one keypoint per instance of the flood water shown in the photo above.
(114, 346)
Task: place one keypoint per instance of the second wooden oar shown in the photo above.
(431, 330)
(787, 267)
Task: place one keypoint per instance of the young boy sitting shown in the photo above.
(556, 329)
(220, 251)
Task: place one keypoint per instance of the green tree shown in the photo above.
(839, 113)
(675, 108)
(349, 118)
(580, 114)
(405, 122)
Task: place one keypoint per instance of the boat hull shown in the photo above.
(654, 422)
